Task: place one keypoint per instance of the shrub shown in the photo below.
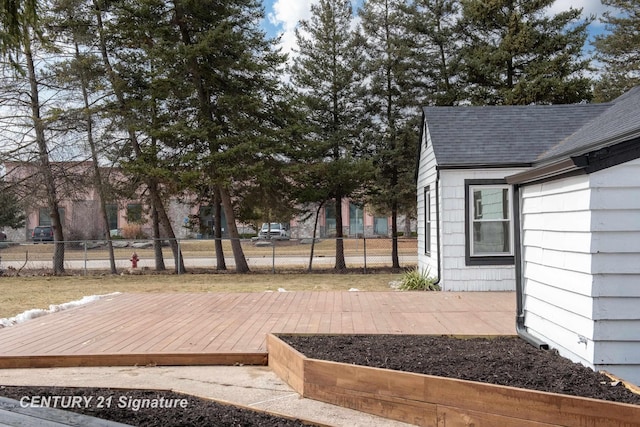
(133, 231)
(418, 280)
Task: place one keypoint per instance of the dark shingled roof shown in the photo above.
(620, 121)
(504, 135)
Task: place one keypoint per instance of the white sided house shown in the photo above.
(544, 200)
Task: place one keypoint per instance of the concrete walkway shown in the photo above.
(256, 387)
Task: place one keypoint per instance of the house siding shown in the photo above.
(556, 255)
(427, 177)
(456, 274)
(615, 202)
(581, 266)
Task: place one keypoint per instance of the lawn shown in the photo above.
(206, 248)
(18, 294)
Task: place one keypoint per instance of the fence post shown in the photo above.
(179, 258)
(364, 249)
(273, 256)
(85, 257)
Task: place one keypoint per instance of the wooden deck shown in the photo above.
(231, 328)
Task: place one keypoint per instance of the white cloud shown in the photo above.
(589, 7)
(286, 14)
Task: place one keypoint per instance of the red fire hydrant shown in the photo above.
(134, 260)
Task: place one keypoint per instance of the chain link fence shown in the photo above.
(88, 257)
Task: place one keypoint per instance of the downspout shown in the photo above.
(439, 262)
(521, 329)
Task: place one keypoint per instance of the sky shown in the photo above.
(282, 16)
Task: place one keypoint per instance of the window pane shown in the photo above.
(491, 203)
(381, 226)
(427, 220)
(330, 219)
(112, 216)
(43, 217)
(356, 224)
(491, 237)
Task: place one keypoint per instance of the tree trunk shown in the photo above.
(43, 155)
(394, 235)
(97, 176)
(313, 239)
(340, 262)
(236, 247)
(157, 240)
(165, 222)
(217, 211)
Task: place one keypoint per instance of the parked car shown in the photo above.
(3, 236)
(42, 233)
(276, 231)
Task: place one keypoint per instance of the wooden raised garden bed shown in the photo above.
(427, 400)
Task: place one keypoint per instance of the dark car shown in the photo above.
(42, 234)
(3, 236)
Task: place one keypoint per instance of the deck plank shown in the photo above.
(175, 325)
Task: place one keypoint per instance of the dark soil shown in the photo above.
(504, 361)
(507, 361)
(125, 406)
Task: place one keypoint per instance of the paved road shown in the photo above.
(209, 262)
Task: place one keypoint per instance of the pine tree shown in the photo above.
(11, 210)
(618, 49)
(434, 33)
(14, 17)
(327, 74)
(233, 70)
(129, 73)
(513, 53)
(393, 94)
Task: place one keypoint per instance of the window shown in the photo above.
(356, 221)
(330, 219)
(427, 221)
(44, 218)
(112, 216)
(489, 222)
(381, 226)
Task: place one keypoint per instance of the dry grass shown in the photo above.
(200, 248)
(18, 294)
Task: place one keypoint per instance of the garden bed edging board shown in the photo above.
(427, 400)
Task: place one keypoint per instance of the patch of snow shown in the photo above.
(395, 284)
(37, 312)
(282, 290)
(141, 245)
(354, 290)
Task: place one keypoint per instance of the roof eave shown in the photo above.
(601, 157)
(483, 166)
(540, 173)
